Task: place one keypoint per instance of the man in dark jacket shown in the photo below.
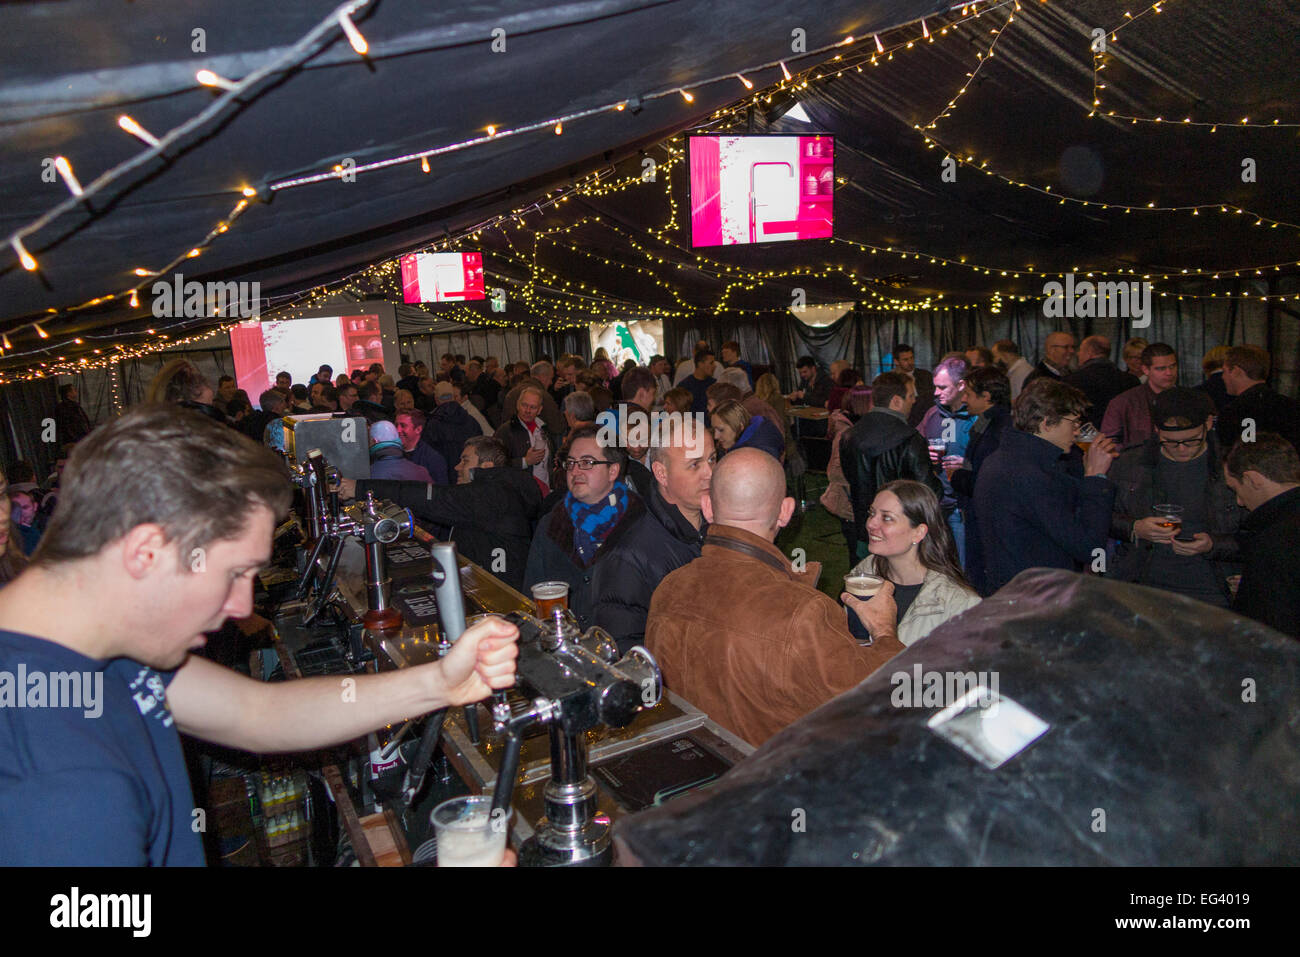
(1254, 406)
(369, 394)
(410, 426)
(817, 385)
(448, 427)
(489, 513)
(1265, 475)
(578, 535)
(387, 460)
(668, 536)
(1058, 351)
(1098, 378)
(529, 444)
(987, 393)
(905, 362)
(882, 447)
(1032, 513)
(1179, 465)
(70, 421)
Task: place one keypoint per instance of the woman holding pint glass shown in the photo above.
(913, 554)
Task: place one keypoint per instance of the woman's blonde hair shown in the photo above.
(733, 414)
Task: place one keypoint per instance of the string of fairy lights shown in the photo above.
(339, 20)
(565, 298)
(1101, 58)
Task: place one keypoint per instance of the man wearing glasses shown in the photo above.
(575, 536)
(1175, 517)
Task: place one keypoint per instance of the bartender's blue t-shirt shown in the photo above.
(79, 788)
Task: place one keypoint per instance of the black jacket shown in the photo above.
(1100, 380)
(924, 381)
(632, 568)
(494, 511)
(515, 437)
(1217, 391)
(1043, 369)
(372, 412)
(447, 428)
(1134, 477)
(1033, 514)
(880, 448)
(553, 556)
(1270, 583)
(1272, 412)
(71, 423)
(985, 438)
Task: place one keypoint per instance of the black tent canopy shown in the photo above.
(1021, 177)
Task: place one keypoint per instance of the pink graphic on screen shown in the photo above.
(442, 277)
(301, 346)
(761, 189)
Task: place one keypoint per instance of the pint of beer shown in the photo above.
(548, 596)
(1171, 516)
(1087, 435)
(862, 586)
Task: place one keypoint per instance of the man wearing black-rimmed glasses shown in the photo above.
(575, 536)
(1189, 547)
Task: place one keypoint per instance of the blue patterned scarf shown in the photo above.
(592, 523)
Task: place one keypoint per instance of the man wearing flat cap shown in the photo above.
(1175, 517)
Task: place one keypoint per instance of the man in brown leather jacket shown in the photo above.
(739, 634)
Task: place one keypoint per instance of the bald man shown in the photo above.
(1098, 377)
(1058, 351)
(742, 635)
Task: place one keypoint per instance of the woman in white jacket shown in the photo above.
(912, 547)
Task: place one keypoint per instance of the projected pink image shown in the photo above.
(761, 189)
(442, 277)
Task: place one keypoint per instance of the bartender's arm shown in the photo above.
(222, 706)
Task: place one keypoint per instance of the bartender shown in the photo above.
(164, 519)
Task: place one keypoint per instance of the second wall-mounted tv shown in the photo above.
(442, 277)
(761, 189)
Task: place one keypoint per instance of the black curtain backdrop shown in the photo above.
(27, 408)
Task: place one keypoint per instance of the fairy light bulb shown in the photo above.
(748, 84)
(26, 258)
(39, 331)
(208, 78)
(559, 127)
(65, 170)
(491, 130)
(135, 299)
(353, 34)
(136, 130)
(880, 47)
(687, 96)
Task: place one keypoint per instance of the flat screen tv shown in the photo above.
(365, 334)
(761, 189)
(442, 277)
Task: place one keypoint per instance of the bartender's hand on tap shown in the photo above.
(347, 489)
(879, 613)
(480, 662)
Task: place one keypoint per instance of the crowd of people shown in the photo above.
(947, 483)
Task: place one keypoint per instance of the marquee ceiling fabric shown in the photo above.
(431, 79)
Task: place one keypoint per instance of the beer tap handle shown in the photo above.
(308, 573)
(328, 582)
(504, 789)
(419, 765)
